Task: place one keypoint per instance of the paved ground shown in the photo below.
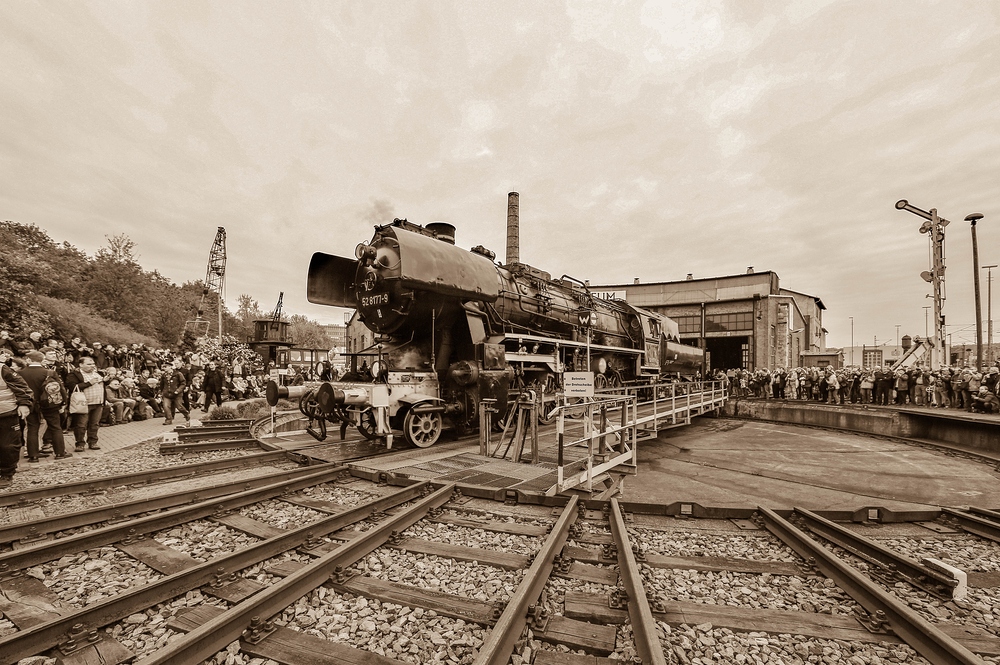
(121, 436)
(725, 462)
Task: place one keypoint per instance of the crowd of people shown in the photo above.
(949, 387)
(78, 388)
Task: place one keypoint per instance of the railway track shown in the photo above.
(314, 566)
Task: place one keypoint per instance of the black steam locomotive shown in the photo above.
(454, 327)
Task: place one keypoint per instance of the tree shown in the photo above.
(308, 334)
(117, 285)
(247, 311)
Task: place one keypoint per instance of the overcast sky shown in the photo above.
(646, 140)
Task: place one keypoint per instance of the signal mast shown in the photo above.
(934, 228)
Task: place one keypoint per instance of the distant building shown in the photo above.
(742, 321)
(337, 332)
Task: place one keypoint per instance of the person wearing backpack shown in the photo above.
(50, 398)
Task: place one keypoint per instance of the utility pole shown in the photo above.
(897, 334)
(973, 218)
(852, 339)
(926, 307)
(934, 227)
(989, 312)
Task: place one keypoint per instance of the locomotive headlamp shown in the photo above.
(376, 369)
(365, 253)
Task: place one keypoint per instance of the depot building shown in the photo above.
(744, 321)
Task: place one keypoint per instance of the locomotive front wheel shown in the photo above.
(366, 424)
(422, 429)
(600, 382)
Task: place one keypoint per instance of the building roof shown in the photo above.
(819, 303)
(684, 281)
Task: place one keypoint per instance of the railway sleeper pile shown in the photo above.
(321, 568)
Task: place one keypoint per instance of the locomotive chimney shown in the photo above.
(513, 229)
(445, 232)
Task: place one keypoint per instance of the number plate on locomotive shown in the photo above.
(375, 300)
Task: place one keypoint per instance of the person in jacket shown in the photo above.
(35, 375)
(90, 382)
(213, 384)
(15, 404)
(985, 402)
(149, 395)
(172, 390)
(120, 405)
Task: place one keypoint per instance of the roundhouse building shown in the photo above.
(742, 321)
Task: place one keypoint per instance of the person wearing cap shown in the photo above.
(148, 397)
(990, 379)
(35, 375)
(172, 389)
(985, 402)
(16, 400)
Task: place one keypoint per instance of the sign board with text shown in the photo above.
(579, 384)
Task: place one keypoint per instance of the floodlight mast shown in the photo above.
(934, 227)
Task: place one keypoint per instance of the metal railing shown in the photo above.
(610, 424)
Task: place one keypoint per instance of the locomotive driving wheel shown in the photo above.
(600, 382)
(422, 429)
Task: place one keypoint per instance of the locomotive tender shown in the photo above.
(454, 328)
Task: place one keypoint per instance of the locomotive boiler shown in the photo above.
(453, 328)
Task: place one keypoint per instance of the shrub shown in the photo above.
(70, 319)
(255, 408)
(223, 413)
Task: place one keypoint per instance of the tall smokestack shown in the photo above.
(513, 229)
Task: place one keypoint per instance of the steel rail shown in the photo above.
(216, 431)
(639, 612)
(205, 446)
(36, 639)
(39, 528)
(214, 635)
(499, 643)
(922, 635)
(986, 512)
(897, 564)
(28, 495)
(982, 523)
(49, 550)
(214, 422)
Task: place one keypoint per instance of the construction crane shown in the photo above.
(276, 316)
(215, 281)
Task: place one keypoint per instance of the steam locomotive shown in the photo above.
(454, 328)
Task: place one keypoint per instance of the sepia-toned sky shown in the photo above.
(647, 139)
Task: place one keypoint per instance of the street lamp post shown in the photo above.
(989, 312)
(852, 339)
(973, 218)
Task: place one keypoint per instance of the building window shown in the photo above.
(688, 324)
(729, 322)
(745, 352)
(873, 358)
